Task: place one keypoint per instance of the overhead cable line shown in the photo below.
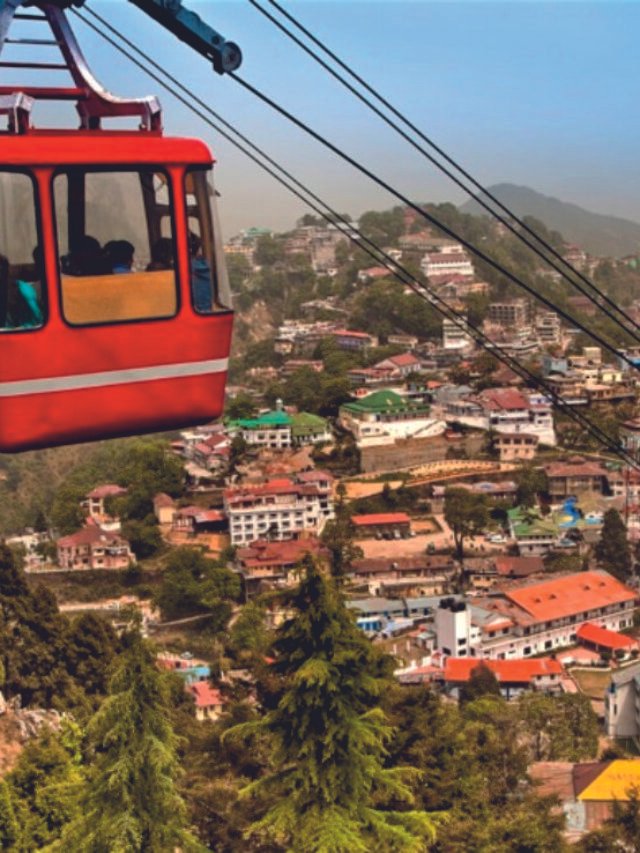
(598, 299)
(430, 218)
(345, 227)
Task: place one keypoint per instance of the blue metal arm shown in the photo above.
(171, 14)
(191, 29)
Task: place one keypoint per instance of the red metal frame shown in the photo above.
(60, 350)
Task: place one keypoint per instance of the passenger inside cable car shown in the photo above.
(21, 273)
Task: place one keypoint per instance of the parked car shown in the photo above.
(496, 538)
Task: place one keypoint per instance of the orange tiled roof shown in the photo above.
(591, 633)
(381, 518)
(205, 695)
(570, 595)
(506, 671)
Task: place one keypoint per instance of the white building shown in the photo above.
(622, 703)
(385, 416)
(505, 410)
(455, 335)
(537, 618)
(548, 328)
(439, 263)
(279, 509)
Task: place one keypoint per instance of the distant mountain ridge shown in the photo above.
(597, 233)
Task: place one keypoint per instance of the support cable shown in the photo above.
(361, 241)
(431, 218)
(598, 299)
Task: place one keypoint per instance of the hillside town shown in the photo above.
(475, 530)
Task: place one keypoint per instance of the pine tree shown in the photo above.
(612, 551)
(131, 804)
(338, 537)
(329, 787)
(9, 826)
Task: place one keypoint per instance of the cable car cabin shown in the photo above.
(115, 314)
(114, 311)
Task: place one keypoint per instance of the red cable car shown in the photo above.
(115, 316)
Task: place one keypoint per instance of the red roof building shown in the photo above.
(274, 562)
(94, 502)
(209, 702)
(94, 548)
(514, 676)
(279, 509)
(565, 597)
(593, 636)
(385, 523)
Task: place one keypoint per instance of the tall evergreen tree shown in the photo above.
(338, 536)
(612, 551)
(329, 787)
(131, 804)
(9, 826)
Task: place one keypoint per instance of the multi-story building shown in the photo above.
(535, 618)
(438, 263)
(455, 335)
(271, 429)
(505, 410)
(94, 505)
(387, 414)
(516, 446)
(570, 478)
(548, 328)
(622, 703)
(533, 534)
(265, 563)
(400, 365)
(513, 676)
(513, 314)
(279, 509)
(94, 548)
(350, 340)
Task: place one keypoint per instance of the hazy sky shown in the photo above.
(544, 94)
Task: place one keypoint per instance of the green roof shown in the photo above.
(269, 419)
(384, 401)
(304, 423)
(527, 522)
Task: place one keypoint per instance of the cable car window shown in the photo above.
(21, 263)
(116, 246)
(209, 281)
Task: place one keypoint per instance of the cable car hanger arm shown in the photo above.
(171, 14)
(191, 29)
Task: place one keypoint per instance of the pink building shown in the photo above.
(94, 548)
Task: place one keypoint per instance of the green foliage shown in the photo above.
(44, 659)
(91, 646)
(384, 308)
(193, 584)
(531, 482)
(32, 640)
(559, 728)
(338, 537)
(383, 228)
(329, 790)
(249, 633)
(9, 826)
(269, 251)
(143, 536)
(482, 682)
(612, 551)
(474, 767)
(466, 514)
(129, 803)
(45, 787)
(240, 406)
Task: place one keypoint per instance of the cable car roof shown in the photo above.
(73, 147)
